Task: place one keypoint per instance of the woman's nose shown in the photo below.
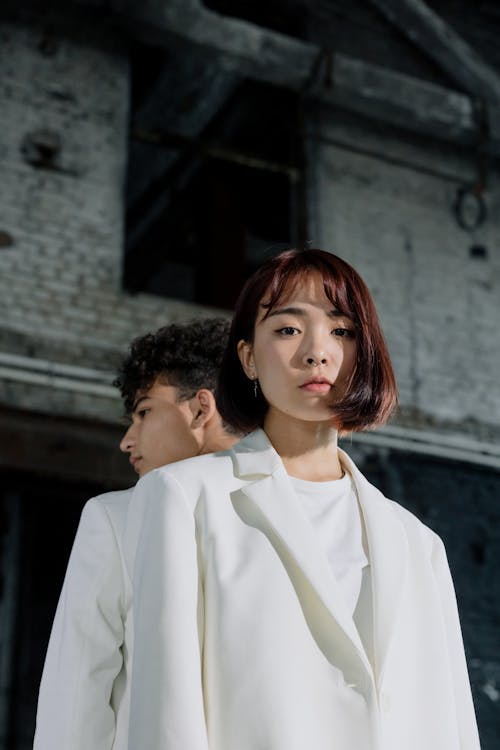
(314, 358)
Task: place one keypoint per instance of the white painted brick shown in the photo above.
(61, 279)
(439, 307)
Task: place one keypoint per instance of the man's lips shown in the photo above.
(134, 460)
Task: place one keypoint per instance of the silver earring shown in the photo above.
(255, 388)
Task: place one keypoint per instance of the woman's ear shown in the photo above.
(245, 353)
(203, 407)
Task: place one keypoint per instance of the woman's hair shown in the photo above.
(372, 392)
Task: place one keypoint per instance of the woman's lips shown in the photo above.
(316, 387)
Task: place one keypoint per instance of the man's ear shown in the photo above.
(203, 407)
(245, 353)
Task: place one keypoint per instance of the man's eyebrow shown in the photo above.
(333, 313)
(139, 401)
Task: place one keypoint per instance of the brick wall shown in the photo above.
(60, 284)
(385, 204)
(60, 279)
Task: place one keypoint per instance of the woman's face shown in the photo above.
(303, 353)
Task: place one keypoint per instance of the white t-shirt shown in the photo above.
(333, 509)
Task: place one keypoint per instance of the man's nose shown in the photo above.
(128, 440)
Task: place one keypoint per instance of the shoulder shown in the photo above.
(97, 554)
(109, 509)
(423, 542)
(414, 528)
(110, 500)
(210, 464)
(190, 477)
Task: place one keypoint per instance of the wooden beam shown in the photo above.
(444, 45)
(241, 47)
(275, 58)
(401, 100)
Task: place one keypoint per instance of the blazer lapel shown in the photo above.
(388, 555)
(270, 504)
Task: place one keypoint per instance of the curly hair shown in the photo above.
(184, 355)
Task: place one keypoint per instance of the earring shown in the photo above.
(255, 388)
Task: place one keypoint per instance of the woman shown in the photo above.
(281, 602)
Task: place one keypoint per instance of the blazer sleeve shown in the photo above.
(84, 653)
(466, 719)
(167, 704)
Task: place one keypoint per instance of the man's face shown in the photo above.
(161, 430)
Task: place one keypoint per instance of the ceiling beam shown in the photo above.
(444, 45)
(275, 58)
(398, 99)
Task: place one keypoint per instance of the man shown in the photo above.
(167, 384)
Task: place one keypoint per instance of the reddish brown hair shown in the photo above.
(372, 393)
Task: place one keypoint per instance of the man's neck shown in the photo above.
(217, 439)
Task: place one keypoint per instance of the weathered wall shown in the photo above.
(60, 295)
(385, 204)
(60, 276)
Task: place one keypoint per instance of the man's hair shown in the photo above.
(184, 355)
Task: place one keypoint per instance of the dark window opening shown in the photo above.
(214, 182)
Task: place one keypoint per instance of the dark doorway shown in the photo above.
(38, 521)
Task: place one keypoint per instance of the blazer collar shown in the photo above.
(388, 555)
(269, 503)
(254, 456)
(277, 512)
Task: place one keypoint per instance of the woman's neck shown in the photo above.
(308, 449)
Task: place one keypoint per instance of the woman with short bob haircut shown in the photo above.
(372, 394)
(281, 602)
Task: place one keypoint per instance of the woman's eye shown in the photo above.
(142, 413)
(343, 332)
(288, 331)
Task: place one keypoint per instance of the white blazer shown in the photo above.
(242, 639)
(84, 692)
